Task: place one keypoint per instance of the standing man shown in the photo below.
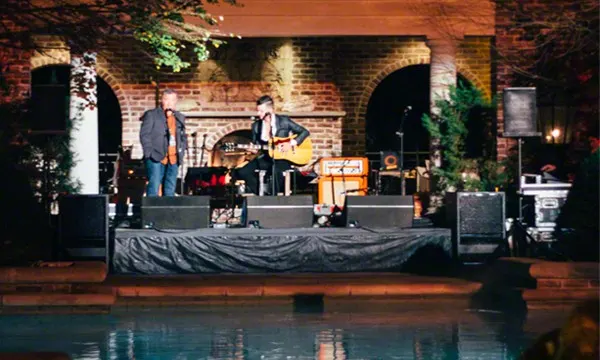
(164, 142)
(267, 126)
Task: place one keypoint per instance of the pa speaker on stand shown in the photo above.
(520, 121)
(520, 112)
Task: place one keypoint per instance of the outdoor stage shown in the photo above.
(249, 250)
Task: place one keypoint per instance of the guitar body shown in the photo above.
(300, 155)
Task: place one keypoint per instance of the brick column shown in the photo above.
(442, 76)
(84, 123)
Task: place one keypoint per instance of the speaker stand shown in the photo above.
(519, 171)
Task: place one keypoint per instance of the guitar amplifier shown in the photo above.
(341, 177)
(344, 166)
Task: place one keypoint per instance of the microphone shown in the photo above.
(407, 109)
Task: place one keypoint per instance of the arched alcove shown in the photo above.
(50, 100)
(231, 159)
(398, 103)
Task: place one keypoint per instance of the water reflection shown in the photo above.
(364, 331)
(330, 345)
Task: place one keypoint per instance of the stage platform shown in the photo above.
(248, 250)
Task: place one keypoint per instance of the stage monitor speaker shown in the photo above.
(382, 211)
(520, 112)
(176, 212)
(477, 223)
(83, 227)
(283, 212)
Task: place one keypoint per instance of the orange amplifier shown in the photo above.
(341, 176)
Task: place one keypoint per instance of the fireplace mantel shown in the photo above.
(248, 114)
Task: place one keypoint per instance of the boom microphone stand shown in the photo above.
(400, 133)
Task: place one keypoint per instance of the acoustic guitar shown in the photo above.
(299, 155)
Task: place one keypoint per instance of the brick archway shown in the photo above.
(54, 58)
(64, 58)
(474, 80)
(118, 90)
(216, 136)
(369, 88)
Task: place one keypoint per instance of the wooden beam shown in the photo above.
(289, 18)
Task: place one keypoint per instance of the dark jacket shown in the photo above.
(285, 127)
(154, 135)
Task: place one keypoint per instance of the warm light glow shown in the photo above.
(555, 133)
(548, 137)
(130, 171)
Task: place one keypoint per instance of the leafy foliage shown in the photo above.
(164, 28)
(459, 173)
(36, 169)
(33, 154)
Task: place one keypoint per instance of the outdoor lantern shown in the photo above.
(555, 122)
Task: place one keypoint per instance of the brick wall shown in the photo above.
(336, 74)
(15, 71)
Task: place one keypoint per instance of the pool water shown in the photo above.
(360, 330)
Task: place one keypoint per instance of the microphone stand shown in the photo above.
(203, 148)
(400, 133)
(195, 144)
(273, 174)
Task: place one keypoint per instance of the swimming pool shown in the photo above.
(360, 330)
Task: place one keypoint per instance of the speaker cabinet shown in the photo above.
(520, 112)
(83, 227)
(383, 211)
(176, 212)
(333, 190)
(283, 212)
(477, 222)
(390, 160)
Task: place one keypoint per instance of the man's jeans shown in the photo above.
(161, 174)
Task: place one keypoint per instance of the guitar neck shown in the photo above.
(252, 146)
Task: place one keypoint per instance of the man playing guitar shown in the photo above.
(268, 127)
